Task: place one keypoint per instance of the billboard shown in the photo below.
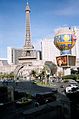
(66, 60)
(72, 60)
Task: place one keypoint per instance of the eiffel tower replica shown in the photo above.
(28, 52)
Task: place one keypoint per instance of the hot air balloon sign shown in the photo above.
(64, 40)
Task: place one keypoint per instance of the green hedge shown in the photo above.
(73, 76)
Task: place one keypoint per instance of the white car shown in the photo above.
(69, 88)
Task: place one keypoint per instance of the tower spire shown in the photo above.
(28, 43)
(27, 2)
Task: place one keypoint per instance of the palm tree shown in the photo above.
(44, 75)
(33, 74)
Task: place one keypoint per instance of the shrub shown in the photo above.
(73, 76)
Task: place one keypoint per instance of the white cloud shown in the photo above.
(70, 8)
(69, 11)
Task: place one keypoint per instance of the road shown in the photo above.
(29, 87)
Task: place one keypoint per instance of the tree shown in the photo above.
(51, 66)
(44, 74)
(33, 73)
(7, 76)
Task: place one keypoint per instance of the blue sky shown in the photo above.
(46, 16)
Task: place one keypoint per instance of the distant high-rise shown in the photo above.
(13, 54)
(49, 51)
(75, 49)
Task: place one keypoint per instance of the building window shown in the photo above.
(28, 53)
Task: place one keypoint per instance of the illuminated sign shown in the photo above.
(66, 60)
